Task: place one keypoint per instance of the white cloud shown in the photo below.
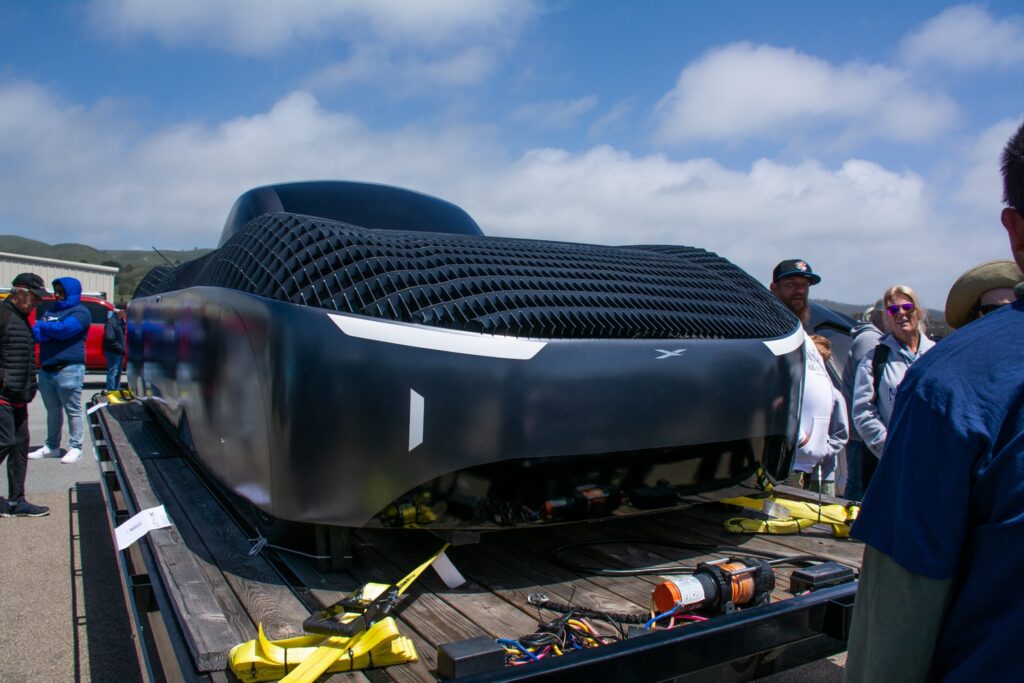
(406, 75)
(743, 90)
(981, 185)
(75, 174)
(67, 174)
(259, 27)
(555, 113)
(966, 37)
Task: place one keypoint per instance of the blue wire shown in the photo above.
(658, 617)
(519, 646)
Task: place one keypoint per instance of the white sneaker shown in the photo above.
(73, 455)
(40, 453)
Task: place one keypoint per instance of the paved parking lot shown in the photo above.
(62, 616)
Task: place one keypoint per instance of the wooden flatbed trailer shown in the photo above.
(196, 589)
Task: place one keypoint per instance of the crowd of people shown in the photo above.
(60, 333)
(936, 454)
(844, 424)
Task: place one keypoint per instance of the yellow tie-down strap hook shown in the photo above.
(365, 638)
(787, 516)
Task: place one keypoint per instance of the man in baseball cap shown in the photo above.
(17, 389)
(791, 282)
(32, 283)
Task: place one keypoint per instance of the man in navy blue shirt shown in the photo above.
(940, 595)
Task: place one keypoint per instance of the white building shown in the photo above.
(96, 280)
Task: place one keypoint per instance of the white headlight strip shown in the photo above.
(436, 339)
(781, 347)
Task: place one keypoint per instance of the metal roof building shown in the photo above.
(96, 280)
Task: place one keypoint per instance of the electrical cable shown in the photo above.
(774, 559)
(541, 600)
(659, 617)
(571, 631)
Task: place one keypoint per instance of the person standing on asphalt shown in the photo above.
(61, 335)
(17, 389)
(113, 347)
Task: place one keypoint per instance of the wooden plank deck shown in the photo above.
(220, 592)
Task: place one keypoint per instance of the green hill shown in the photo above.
(133, 263)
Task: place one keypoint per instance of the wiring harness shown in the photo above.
(569, 632)
(715, 587)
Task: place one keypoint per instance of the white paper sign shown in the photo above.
(94, 408)
(140, 525)
(451, 576)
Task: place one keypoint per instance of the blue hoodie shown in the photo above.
(62, 330)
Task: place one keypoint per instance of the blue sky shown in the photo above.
(861, 136)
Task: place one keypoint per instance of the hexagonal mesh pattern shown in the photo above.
(522, 288)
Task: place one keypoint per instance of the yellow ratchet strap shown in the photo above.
(119, 396)
(303, 659)
(806, 514)
(270, 660)
(748, 525)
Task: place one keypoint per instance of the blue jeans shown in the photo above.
(62, 393)
(855, 451)
(113, 370)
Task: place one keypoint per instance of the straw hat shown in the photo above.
(968, 288)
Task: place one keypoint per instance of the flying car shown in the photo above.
(360, 355)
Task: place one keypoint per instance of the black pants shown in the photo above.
(14, 448)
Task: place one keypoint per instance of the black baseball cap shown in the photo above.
(795, 267)
(31, 282)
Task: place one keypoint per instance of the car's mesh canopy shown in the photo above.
(516, 287)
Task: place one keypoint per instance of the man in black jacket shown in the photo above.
(17, 389)
(113, 347)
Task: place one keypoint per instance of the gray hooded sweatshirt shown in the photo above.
(871, 417)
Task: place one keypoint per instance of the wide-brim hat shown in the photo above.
(963, 297)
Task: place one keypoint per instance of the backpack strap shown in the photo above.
(878, 362)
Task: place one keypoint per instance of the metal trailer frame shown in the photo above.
(159, 642)
(741, 646)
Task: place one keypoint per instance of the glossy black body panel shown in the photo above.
(312, 424)
(352, 346)
(365, 204)
(835, 327)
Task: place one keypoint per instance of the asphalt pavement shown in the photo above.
(62, 614)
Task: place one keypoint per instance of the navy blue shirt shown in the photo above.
(947, 500)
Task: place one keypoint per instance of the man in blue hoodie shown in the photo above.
(61, 335)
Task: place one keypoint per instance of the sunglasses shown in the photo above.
(988, 308)
(28, 291)
(894, 309)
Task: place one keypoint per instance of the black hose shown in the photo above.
(774, 559)
(576, 610)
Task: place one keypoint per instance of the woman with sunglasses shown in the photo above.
(981, 290)
(897, 350)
